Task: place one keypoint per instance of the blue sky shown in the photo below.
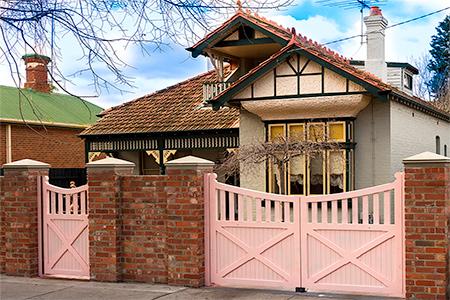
(318, 22)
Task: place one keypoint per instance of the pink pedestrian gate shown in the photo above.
(352, 242)
(63, 230)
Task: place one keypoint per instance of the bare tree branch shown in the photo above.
(98, 26)
(280, 151)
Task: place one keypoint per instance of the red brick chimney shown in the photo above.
(36, 67)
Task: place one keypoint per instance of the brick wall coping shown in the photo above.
(26, 164)
(189, 163)
(110, 163)
(426, 159)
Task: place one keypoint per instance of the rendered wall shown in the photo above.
(251, 130)
(372, 150)
(135, 157)
(413, 132)
(132, 156)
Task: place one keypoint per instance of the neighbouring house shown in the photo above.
(270, 80)
(38, 124)
(165, 125)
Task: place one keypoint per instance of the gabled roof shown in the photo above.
(269, 28)
(316, 53)
(48, 108)
(176, 108)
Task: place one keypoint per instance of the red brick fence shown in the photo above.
(151, 228)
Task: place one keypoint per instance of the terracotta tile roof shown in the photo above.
(174, 108)
(262, 22)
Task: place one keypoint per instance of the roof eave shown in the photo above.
(238, 19)
(402, 98)
(42, 123)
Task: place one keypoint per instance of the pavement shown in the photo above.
(20, 288)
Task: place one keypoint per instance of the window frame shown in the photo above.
(347, 151)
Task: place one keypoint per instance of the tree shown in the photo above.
(99, 27)
(439, 65)
(281, 150)
(421, 89)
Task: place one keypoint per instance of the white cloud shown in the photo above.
(317, 27)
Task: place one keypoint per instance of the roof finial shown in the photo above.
(239, 4)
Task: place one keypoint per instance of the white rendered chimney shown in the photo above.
(376, 61)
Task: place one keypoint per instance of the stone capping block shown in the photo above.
(426, 159)
(110, 163)
(190, 163)
(27, 165)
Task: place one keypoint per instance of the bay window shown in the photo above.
(325, 171)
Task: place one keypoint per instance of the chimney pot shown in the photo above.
(375, 11)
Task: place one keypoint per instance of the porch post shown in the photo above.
(186, 220)
(427, 213)
(105, 256)
(19, 217)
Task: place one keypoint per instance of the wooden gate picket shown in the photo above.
(356, 244)
(64, 240)
(252, 243)
(351, 242)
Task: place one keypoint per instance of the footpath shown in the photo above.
(19, 288)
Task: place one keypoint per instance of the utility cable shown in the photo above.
(394, 25)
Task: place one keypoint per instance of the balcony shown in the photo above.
(212, 89)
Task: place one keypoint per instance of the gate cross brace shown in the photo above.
(348, 257)
(255, 252)
(67, 244)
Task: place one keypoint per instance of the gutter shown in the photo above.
(42, 123)
(420, 106)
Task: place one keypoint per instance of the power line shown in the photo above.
(394, 25)
(421, 17)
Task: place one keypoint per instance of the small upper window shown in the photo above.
(408, 81)
(438, 145)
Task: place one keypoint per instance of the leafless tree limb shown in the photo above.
(279, 151)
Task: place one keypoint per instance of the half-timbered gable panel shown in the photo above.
(264, 87)
(334, 83)
(299, 77)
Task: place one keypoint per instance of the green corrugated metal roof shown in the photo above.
(46, 107)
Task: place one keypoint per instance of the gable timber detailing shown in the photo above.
(245, 36)
(306, 79)
(298, 87)
(271, 32)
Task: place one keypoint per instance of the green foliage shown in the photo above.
(439, 62)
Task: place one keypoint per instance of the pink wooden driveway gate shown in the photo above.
(63, 239)
(352, 242)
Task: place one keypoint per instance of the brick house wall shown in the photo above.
(59, 147)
